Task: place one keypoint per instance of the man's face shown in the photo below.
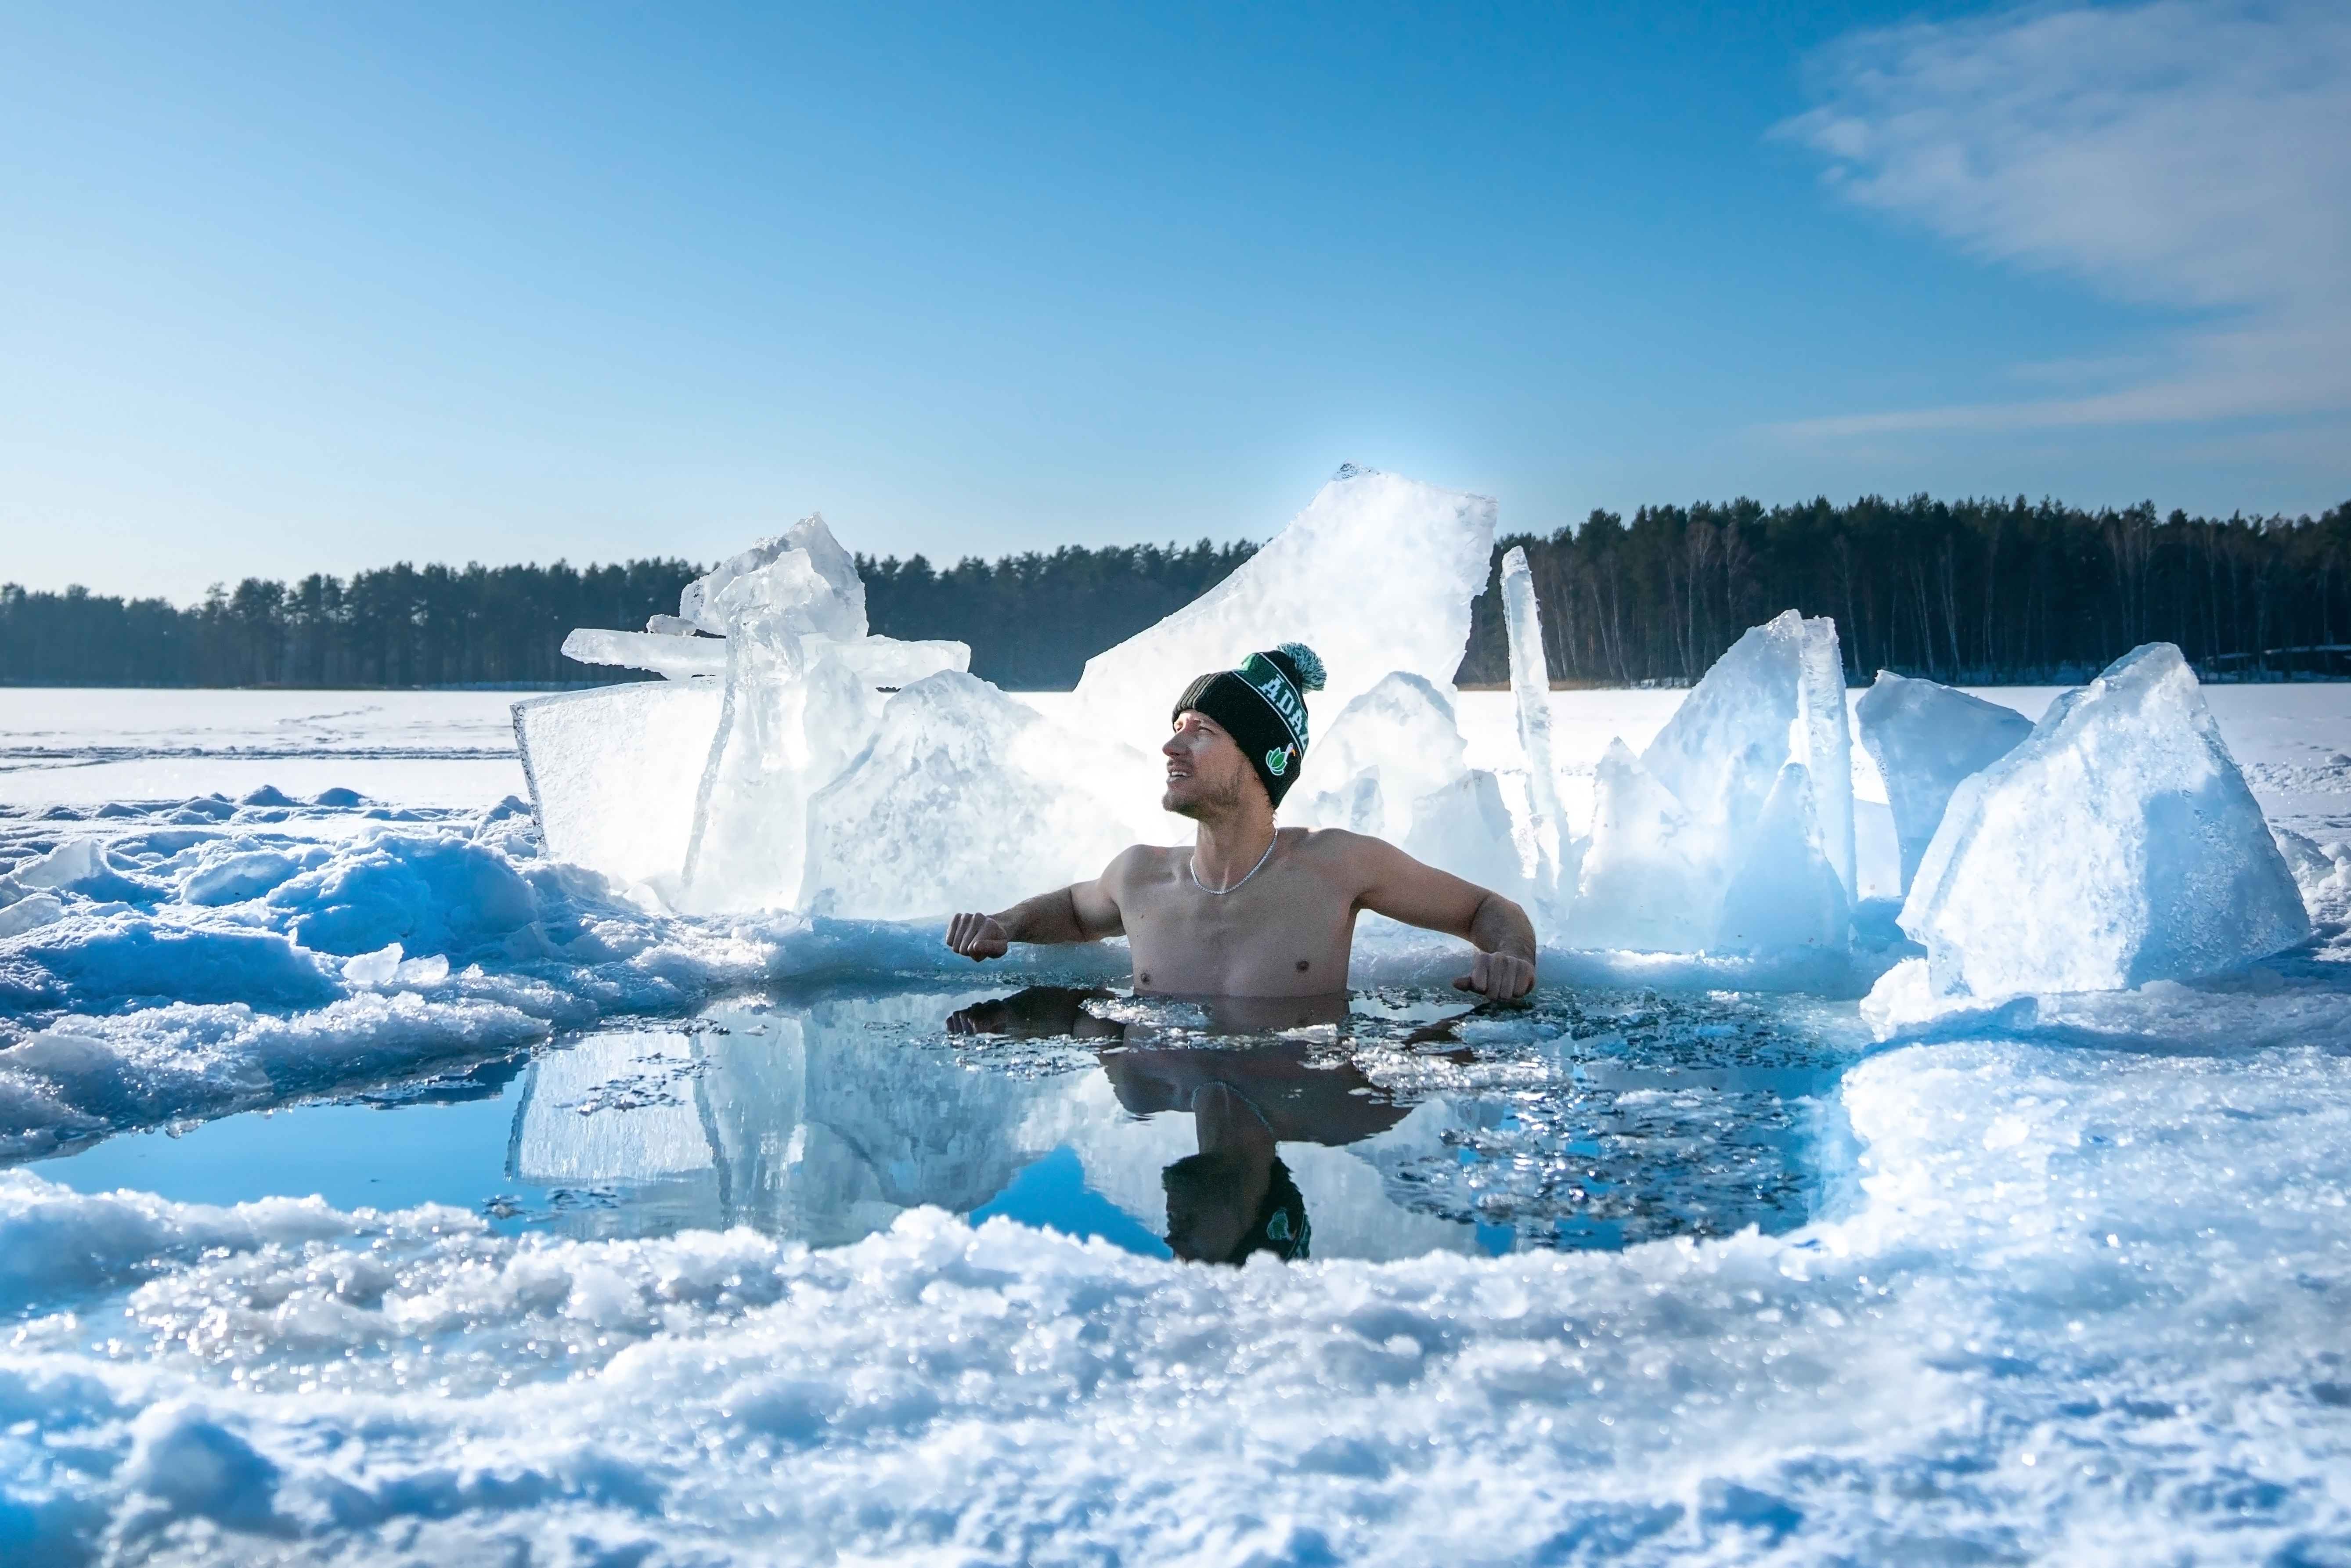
(1206, 774)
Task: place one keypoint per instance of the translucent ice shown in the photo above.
(1376, 574)
(1650, 880)
(680, 658)
(1383, 750)
(1925, 739)
(1530, 686)
(963, 799)
(615, 772)
(1776, 696)
(1786, 894)
(2117, 845)
(1719, 837)
(1393, 764)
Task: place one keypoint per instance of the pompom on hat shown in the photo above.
(1262, 705)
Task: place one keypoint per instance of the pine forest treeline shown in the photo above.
(1976, 592)
(1985, 592)
(1033, 620)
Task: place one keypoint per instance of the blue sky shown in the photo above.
(291, 288)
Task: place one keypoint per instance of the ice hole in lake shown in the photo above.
(1408, 1125)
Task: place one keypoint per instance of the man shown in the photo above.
(1251, 910)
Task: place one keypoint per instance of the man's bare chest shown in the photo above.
(1290, 934)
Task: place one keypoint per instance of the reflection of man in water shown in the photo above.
(1251, 909)
(1236, 1195)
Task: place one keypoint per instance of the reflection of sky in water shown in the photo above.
(1408, 1123)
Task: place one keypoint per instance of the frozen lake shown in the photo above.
(637, 1237)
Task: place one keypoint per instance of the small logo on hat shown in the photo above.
(1277, 761)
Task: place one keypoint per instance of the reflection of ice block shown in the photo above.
(965, 800)
(1650, 882)
(1776, 696)
(1925, 739)
(612, 1108)
(1376, 574)
(613, 772)
(1785, 894)
(828, 1129)
(2118, 844)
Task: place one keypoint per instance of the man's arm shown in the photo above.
(1402, 888)
(1083, 912)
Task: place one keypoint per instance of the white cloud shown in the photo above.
(2192, 155)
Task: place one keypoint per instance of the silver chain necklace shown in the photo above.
(1220, 891)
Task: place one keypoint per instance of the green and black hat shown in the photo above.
(1262, 705)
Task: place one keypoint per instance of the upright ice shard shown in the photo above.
(1652, 881)
(1926, 739)
(1530, 686)
(1376, 574)
(1385, 750)
(1776, 696)
(1394, 765)
(699, 786)
(615, 772)
(1712, 807)
(1785, 894)
(2118, 844)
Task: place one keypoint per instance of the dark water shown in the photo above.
(1378, 1125)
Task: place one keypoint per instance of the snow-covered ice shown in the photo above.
(737, 1249)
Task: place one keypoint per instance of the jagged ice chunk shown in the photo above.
(2118, 844)
(1925, 740)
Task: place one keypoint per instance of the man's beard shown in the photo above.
(1207, 800)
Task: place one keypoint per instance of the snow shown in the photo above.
(1927, 739)
(2005, 1350)
(2066, 1281)
(2117, 845)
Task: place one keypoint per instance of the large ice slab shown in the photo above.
(1376, 574)
(613, 773)
(965, 800)
(953, 797)
(1925, 740)
(2118, 844)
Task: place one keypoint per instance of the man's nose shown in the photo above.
(1175, 747)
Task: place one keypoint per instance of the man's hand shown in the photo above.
(978, 936)
(1498, 977)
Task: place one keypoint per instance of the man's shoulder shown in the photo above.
(1335, 843)
(1139, 860)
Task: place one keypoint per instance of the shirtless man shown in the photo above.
(1251, 910)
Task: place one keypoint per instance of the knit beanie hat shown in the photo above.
(1262, 705)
